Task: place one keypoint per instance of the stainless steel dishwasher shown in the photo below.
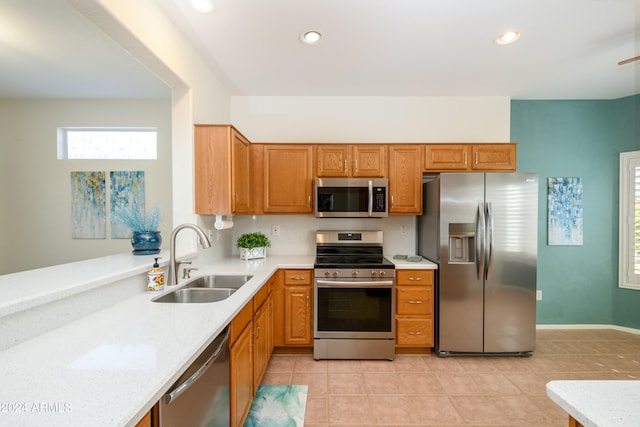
(200, 397)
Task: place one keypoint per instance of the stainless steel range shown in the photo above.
(354, 296)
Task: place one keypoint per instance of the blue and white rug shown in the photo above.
(278, 406)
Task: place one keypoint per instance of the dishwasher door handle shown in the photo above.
(181, 388)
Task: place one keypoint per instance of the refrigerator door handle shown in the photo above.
(489, 248)
(480, 241)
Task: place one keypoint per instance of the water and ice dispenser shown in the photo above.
(462, 240)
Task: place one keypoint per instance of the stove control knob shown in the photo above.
(382, 273)
(374, 273)
(335, 274)
(326, 274)
(354, 273)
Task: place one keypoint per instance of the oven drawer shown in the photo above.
(298, 277)
(416, 300)
(414, 332)
(414, 277)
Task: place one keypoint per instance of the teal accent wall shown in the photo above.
(579, 284)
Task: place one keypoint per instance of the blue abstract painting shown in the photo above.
(565, 218)
(127, 189)
(88, 205)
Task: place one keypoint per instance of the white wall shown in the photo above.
(372, 118)
(37, 203)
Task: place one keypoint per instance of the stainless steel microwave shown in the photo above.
(351, 197)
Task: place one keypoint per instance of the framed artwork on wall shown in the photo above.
(565, 211)
(88, 205)
(127, 190)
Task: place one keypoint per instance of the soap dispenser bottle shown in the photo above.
(155, 278)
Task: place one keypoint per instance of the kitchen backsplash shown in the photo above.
(297, 232)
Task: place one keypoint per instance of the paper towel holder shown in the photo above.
(222, 224)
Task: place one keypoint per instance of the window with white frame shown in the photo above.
(108, 143)
(629, 239)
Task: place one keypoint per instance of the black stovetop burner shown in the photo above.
(337, 253)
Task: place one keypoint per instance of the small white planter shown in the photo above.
(253, 253)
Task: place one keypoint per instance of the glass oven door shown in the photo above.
(354, 309)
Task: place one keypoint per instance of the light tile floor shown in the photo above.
(461, 391)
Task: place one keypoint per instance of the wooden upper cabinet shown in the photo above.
(405, 179)
(343, 160)
(288, 178)
(439, 157)
(469, 157)
(494, 157)
(222, 170)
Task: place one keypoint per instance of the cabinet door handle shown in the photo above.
(414, 333)
(464, 157)
(309, 201)
(257, 332)
(297, 278)
(307, 300)
(356, 164)
(415, 278)
(476, 157)
(417, 301)
(393, 203)
(345, 165)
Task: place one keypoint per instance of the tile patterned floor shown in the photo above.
(458, 391)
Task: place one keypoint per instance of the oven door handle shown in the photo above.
(350, 284)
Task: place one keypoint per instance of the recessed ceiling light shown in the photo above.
(508, 37)
(311, 37)
(203, 6)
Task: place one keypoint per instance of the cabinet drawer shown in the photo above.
(414, 277)
(239, 322)
(297, 277)
(415, 332)
(415, 300)
(260, 296)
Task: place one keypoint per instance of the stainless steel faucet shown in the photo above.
(174, 265)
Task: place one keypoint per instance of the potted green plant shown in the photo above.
(145, 237)
(253, 245)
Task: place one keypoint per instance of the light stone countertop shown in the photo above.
(108, 368)
(111, 360)
(604, 403)
(403, 264)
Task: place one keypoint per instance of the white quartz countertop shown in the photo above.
(110, 367)
(599, 403)
(403, 264)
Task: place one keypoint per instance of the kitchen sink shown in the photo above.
(227, 281)
(195, 295)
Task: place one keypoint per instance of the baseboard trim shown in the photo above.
(615, 327)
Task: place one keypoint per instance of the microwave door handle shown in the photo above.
(370, 197)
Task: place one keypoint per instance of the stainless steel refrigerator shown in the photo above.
(482, 231)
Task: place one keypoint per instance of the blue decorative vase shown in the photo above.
(147, 243)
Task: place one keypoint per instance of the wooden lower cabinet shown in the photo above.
(241, 363)
(414, 308)
(298, 307)
(297, 312)
(293, 309)
(250, 339)
(261, 352)
(148, 420)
